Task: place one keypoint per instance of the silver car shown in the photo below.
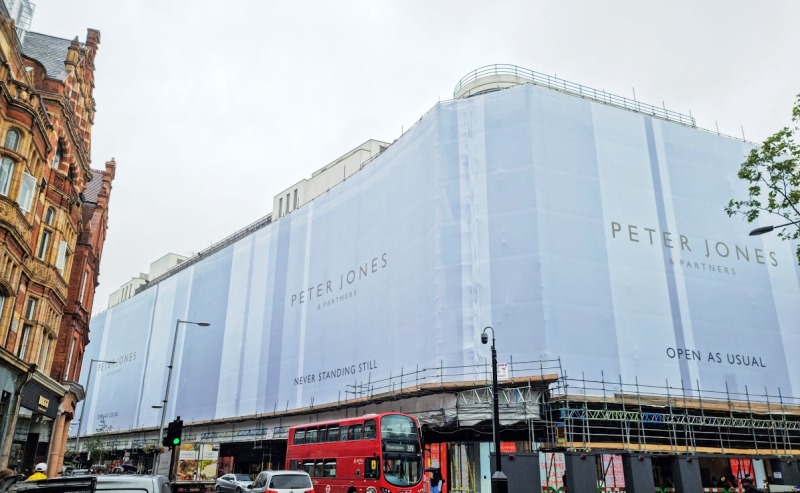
(233, 483)
(282, 482)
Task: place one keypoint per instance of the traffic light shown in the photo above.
(174, 431)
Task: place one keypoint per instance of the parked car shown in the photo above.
(84, 484)
(233, 483)
(282, 482)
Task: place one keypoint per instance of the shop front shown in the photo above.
(37, 413)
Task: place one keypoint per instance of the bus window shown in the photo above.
(371, 470)
(333, 433)
(358, 432)
(299, 437)
(318, 467)
(308, 466)
(322, 435)
(343, 433)
(311, 435)
(295, 464)
(369, 429)
(329, 470)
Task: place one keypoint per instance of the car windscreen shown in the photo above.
(290, 481)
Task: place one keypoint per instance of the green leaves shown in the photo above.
(772, 172)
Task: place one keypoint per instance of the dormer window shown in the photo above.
(59, 154)
(12, 140)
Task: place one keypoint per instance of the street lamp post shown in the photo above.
(83, 406)
(169, 377)
(768, 229)
(499, 480)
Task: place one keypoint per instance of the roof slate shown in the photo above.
(92, 191)
(49, 51)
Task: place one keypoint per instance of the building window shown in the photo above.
(23, 345)
(69, 359)
(83, 287)
(57, 157)
(61, 259)
(49, 216)
(43, 353)
(44, 243)
(12, 140)
(2, 304)
(26, 189)
(30, 309)
(295, 199)
(280, 207)
(6, 170)
(288, 204)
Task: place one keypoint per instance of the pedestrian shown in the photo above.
(436, 481)
(747, 483)
(39, 472)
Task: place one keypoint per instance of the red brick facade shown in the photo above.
(53, 216)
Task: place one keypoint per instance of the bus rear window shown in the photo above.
(300, 437)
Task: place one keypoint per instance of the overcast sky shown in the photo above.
(212, 107)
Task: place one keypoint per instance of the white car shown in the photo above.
(282, 482)
(233, 483)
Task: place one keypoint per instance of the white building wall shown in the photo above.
(324, 178)
(127, 290)
(165, 263)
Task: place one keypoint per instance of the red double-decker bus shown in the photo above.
(374, 453)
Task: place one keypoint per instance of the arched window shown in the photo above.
(12, 140)
(59, 154)
(49, 216)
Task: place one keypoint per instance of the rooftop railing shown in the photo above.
(574, 89)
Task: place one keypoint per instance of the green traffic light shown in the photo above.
(176, 441)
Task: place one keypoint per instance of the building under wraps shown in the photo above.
(644, 339)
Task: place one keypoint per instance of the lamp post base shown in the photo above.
(499, 482)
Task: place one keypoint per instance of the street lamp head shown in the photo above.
(484, 338)
(761, 230)
(156, 407)
(203, 324)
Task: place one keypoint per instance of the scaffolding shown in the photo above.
(613, 415)
(540, 407)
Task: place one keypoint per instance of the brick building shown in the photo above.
(53, 215)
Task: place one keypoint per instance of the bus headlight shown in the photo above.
(372, 489)
(385, 490)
